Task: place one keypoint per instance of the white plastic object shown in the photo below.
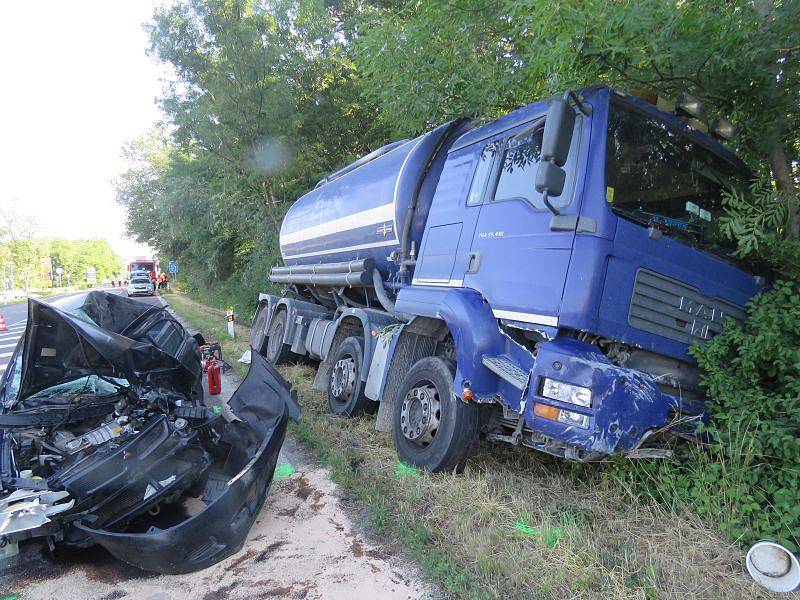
(774, 567)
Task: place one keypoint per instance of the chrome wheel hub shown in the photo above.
(420, 414)
(343, 378)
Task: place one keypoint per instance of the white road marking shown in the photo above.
(3, 368)
(8, 345)
(10, 335)
(5, 354)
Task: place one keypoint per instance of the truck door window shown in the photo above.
(481, 176)
(517, 176)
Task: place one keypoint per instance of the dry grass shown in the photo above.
(590, 537)
(594, 538)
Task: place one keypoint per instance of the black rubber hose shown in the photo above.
(412, 207)
(386, 302)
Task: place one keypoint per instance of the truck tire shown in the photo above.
(431, 427)
(258, 330)
(345, 388)
(276, 352)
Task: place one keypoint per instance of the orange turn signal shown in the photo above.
(467, 395)
(546, 411)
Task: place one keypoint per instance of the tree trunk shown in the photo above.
(782, 173)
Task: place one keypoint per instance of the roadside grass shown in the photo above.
(515, 524)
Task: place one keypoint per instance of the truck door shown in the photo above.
(518, 258)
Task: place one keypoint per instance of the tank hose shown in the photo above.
(383, 297)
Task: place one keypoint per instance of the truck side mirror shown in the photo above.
(556, 140)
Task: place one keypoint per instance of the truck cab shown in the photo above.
(570, 256)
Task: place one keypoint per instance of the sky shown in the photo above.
(76, 84)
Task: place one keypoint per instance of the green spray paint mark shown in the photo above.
(549, 536)
(9, 597)
(404, 469)
(283, 471)
(217, 410)
(524, 528)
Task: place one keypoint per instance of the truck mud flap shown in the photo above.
(234, 490)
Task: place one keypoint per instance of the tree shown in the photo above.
(428, 62)
(23, 250)
(266, 100)
(142, 182)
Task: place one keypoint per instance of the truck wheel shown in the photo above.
(431, 428)
(258, 333)
(277, 353)
(345, 388)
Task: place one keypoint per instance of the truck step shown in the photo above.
(505, 369)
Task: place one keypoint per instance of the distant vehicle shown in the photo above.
(150, 265)
(140, 284)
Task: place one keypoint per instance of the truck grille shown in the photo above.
(677, 311)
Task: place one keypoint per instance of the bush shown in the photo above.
(753, 376)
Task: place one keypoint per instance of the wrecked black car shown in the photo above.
(105, 437)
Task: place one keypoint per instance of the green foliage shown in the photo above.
(753, 376)
(265, 102)
(757, 219)
(430, 61)
(33, 257)
(32, 271)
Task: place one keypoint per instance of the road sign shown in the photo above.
(59, 271)
(173, 267)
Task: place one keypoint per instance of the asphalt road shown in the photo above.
(16, 316)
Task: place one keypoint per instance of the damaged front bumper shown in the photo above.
(627, 412)
(104, 438)
(231, 502)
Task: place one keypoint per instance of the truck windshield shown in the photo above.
(657, 176)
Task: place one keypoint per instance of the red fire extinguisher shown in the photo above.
(214, 378)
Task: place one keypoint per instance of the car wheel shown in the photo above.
(345, 387)
(277, 353)
(431, 427)
(258, 330)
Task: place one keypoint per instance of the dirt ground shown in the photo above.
(305, 543)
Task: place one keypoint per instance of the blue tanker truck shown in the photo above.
(536, 280)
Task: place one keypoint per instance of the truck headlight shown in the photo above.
(565, 392)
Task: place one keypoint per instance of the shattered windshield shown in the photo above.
(657, 176)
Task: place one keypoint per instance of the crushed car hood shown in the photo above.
(106, 438)
(110, 336)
